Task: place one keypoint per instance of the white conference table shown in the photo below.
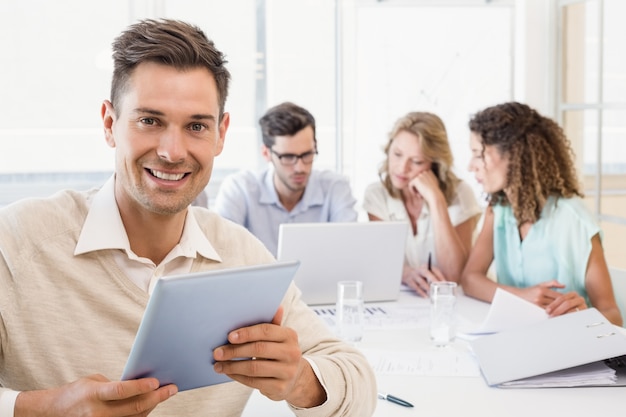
(443, 396)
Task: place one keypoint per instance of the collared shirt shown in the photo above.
(250, 199)
(380, 203)
(104, 229)
(557, 245)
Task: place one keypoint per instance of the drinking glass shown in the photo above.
(442, 308)
(349, 311)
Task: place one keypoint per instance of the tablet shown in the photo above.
(189, 315)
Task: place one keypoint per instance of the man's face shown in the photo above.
(165, 134)
(291, 179)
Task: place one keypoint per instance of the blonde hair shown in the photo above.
(433, 138)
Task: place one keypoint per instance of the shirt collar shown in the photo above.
(397, 209)
(313, 196)
(104, 229)
(268, 192)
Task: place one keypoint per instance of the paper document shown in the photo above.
(385, 316)
(423, 363)
(508, 311)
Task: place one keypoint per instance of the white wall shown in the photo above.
(535, 56)
(57, 71)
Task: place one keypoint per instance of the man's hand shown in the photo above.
(95, 395)
(267, 357)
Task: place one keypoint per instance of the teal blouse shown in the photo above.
(556, 247)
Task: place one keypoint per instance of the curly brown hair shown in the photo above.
(541, 159)
(431, 131)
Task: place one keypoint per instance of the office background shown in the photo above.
(357, 65)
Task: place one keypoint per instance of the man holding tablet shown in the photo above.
(77, 269)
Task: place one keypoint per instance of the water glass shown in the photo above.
(442, 312)
(349, 311)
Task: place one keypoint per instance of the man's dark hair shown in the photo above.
(285, 119)
(168, 42)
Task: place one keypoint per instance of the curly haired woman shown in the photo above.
(547, 246)
(417, 185)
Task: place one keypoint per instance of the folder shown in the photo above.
(555, 344)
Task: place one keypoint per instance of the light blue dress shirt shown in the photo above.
(250, 199)
(557, 246)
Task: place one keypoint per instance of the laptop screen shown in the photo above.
(372, 252)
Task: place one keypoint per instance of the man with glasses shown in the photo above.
(289, 190)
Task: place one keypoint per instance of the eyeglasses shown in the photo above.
(292, 158)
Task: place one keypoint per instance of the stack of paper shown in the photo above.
(596, 373)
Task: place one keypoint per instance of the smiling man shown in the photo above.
(289, 190)
(77, 268)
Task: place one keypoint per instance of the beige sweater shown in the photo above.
(64, 317)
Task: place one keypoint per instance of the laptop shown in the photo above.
(372, 252)
(189, 315)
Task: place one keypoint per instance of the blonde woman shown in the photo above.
(417, 185)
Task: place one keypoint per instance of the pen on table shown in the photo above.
(394, 400)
